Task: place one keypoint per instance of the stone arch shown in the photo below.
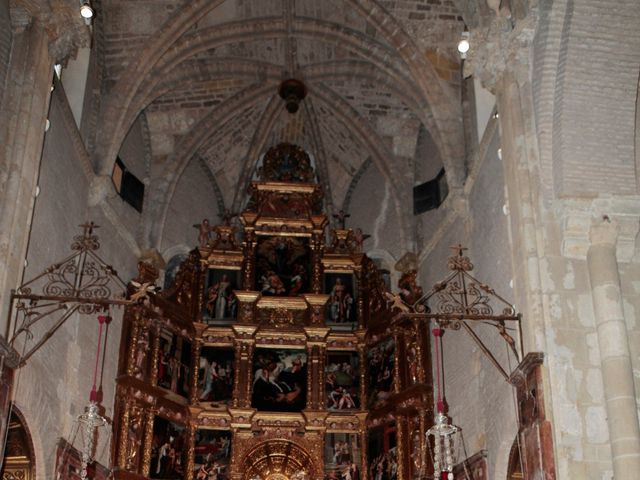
(594, 100)
(446, 110)
(124, 91)
(123, 94)
(428, 160)
(278, 459)
(322, 167)
(119, 113)
(258, 142)
(346, 204)
(191, 142)
(19, 456)
(367, 137)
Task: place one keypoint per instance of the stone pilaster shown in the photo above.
(617, 371)
(22, 128)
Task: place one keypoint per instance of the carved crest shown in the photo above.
(286, 163)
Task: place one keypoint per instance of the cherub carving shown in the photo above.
(204, 232)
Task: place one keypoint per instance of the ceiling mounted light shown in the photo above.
(292, 92)
(463, 44)
(86, 11)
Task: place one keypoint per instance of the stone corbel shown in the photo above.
(586, 222)
(498, 46)
(60, 19)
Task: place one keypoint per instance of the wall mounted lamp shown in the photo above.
(463, 44)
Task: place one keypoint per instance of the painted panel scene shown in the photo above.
(279, 380)
(282, 266)
(220, 303)
(167, 449)
(342, 381)
(382, 454)
(215, 376)
(341, 307)
(380, 372)
(174, 363)
(212, 454)
(342, 454)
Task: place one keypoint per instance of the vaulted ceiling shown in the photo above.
(205, 74)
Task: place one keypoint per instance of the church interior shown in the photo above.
(319, 240)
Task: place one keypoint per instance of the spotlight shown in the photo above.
(86, 11)
(463, 44)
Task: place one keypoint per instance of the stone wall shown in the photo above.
(5, 42)
(373, 209)
(53, 388)
(194, 199)
(479, 399)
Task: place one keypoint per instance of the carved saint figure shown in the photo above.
(340, 302)
(220, 299)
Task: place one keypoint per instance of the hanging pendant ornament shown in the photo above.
(442, 432)
(91, 419)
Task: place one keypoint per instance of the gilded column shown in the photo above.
(192, 427)
(397, 382)
(249, 375)
(364, 464)
(249, 247)
(617, 371)
(312, 366)
(360, 301)
(195, 368)
(148, 441)
(136, 326)
(362, 359)
(322, 361)
(422, 353)
(402, 446)
(316, 260)
(155, 353)
(121, 454)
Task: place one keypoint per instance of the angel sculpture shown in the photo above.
(204, 232)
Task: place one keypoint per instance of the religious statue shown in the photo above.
(358, 237)
(341, 301)
(410, 291)
(227, 216)
(341, 217)
(220, 299)
(204, 232)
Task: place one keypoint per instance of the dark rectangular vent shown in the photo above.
(430, 194)
(128, 186)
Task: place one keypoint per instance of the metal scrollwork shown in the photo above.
(81, 283)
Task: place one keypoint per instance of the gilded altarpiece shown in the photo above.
(274, 354)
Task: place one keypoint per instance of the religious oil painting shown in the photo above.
(212, 454)
(167, 450)
(283, 266)
(342, 381)
(342, 456)
(220, 303)
(380, 372)
(215, 376)
(174, 363)
(341, 307)
(279, 380)
(382, 453)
